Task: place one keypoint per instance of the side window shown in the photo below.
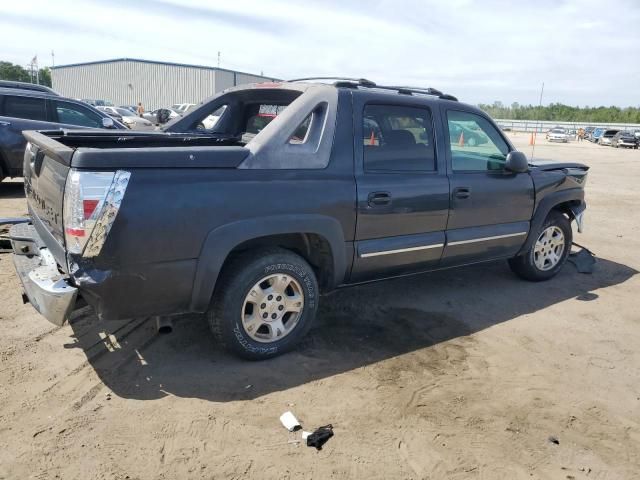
(300, 134)
(72, 114)
(476, 145)
(28, 108)
(397, 138)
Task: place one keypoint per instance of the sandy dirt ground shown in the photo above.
(457, 374)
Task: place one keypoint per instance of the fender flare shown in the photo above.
(547, 204)
(222, 240)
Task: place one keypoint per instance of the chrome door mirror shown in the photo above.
(107, 122)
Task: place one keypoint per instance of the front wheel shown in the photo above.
(265, 303)
(549, 252)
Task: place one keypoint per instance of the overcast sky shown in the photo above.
(586, 52)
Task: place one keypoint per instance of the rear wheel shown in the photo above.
(265, 303)
(548, 253)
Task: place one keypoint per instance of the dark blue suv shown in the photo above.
(28, 109)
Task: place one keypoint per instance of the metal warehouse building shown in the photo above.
(127, 81)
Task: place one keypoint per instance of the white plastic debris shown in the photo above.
(289, 421)
(305, 435)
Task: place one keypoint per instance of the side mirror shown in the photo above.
(107, 122)
(517, 162)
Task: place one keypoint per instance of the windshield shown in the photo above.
(124, 112)
(557, 130)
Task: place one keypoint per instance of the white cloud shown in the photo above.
(584, 51)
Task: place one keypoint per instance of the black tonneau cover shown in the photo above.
(114, 150)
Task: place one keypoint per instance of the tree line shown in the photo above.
(10, 71)
(563, 113)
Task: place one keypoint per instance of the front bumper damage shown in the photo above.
(45, 287)
(578, 215)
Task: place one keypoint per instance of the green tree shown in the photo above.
(563, 113)
(9, 71)
(45, 76)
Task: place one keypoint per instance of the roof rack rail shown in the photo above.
(360, 81)
(363, 82)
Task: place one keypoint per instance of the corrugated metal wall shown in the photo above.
(128, 82)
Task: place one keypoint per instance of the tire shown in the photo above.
(236, 314)
(528, 265)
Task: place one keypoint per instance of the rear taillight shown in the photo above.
(91, 203)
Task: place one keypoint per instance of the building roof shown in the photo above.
(155, 62)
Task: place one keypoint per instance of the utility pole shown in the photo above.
(53, 60)
(218, 59)
(535, 134)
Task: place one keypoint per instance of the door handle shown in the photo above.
(462, 192)
(379, 199)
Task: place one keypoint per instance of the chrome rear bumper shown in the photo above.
(48, 290)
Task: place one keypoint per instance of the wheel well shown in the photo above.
(4, 169)
(314, 248)
(565, 208)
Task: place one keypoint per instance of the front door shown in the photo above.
(490, 206)
(403, 190)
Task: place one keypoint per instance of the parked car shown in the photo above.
(557, 134)
(596, 134)
(462, 132)
(607, 136)
(181, 108)
(624, 139)
(27, 86)
(111, 112)
(252, 234)
(130, 119)
(97, 102)
(161, 116)
(36, 110)
(209, 122)
(131, 108)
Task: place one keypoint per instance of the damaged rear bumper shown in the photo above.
(49, 291)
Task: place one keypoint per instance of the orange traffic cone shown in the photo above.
(531, 139)
(461, 140)
(372, 139)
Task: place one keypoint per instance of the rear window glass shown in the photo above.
(25, 107)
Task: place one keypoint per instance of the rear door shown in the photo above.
(402, 187)
(490, 206)
(18, 113)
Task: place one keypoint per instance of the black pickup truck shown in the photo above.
(298, 188)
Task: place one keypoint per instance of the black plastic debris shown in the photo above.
(554, 440)
(584, 259)
(318, 438)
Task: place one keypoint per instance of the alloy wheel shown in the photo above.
(272, 308)
(549, 248)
